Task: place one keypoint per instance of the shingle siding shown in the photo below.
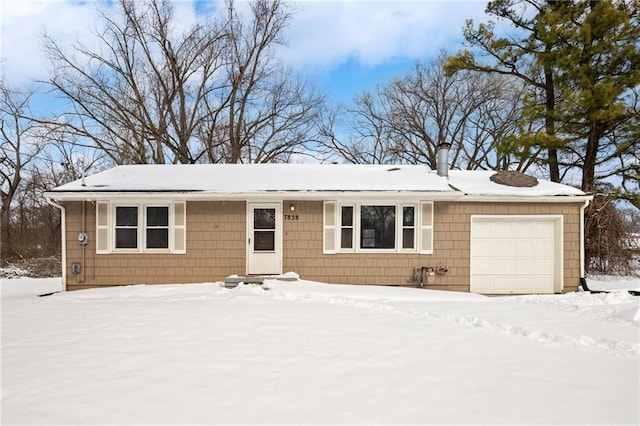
(216, 248)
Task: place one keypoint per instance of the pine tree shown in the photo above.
(581, 60)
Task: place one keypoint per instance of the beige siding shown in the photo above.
(216, 232)
(216, 236)
(303, 247)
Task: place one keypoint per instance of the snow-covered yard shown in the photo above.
(310, 353)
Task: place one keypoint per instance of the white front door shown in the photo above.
(264, 238)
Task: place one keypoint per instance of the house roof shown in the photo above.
(247, 179)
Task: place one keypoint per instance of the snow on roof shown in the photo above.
(261, 178)
(477, 182)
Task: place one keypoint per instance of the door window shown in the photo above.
(264, 229)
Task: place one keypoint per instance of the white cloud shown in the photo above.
(25, 21)
(327, 33)
(321, 36)
(23, 24)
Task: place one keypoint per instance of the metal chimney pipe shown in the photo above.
(442, 159)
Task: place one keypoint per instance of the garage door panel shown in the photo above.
(499, 266)
(521, 248)
(482, 244)
(502, 229)
(543, 245)
(522, 283)
(543, 263)
(501, 284)
(542, 230)
(482, 268)
(516, 254)
(523, 266)
(483, 230)
(522, 230)
(482, 282)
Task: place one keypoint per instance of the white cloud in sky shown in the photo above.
(327, 33)
(25, 21)
(322, 35)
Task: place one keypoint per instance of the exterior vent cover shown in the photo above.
(512, 178)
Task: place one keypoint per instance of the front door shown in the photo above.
(264, 238)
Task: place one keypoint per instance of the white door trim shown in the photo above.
(264, 262)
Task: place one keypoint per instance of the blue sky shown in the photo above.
(343, 47)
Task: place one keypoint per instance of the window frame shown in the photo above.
(402, 227)
(341, 226)
(399, 226)
(147, 228)
(106, 240)
(114, 229)
(359, 240)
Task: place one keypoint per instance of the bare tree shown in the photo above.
(213, 92)
(359, 134)
(607, 242)
(138, 97)
(18, 149)
(268, 113)
(408, 118)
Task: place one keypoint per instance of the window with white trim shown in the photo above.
(408, 227)
(157, 227)
(346, 228)
(126, 229)
(141, 228)
(378, 227)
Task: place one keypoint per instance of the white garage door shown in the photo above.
(516, 254)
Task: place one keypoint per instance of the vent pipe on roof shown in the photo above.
(442, 159)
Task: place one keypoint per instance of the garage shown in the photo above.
(516, 254)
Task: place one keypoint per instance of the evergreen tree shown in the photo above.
(580, 58)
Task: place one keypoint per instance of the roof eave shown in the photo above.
(559, 198)
(309, 195)
(240, 196)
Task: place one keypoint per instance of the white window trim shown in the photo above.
(354, 225)
(399, 205)
(401, 228)
(114, 228)
(358, 230)
(146, 227)
(142, 227)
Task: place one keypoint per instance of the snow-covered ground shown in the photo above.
(310, 353)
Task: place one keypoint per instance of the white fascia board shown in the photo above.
(313, 196)
(254, 196)
(525, 199)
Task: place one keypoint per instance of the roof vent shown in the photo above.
(513, 178)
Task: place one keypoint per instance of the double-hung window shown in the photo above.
(346, 228)
(378, 227)
(157, 227)
(126, 229)
(408, 227)
(153, 228)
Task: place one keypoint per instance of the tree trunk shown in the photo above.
(5, 236)
(550, 121)
(591, 155)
